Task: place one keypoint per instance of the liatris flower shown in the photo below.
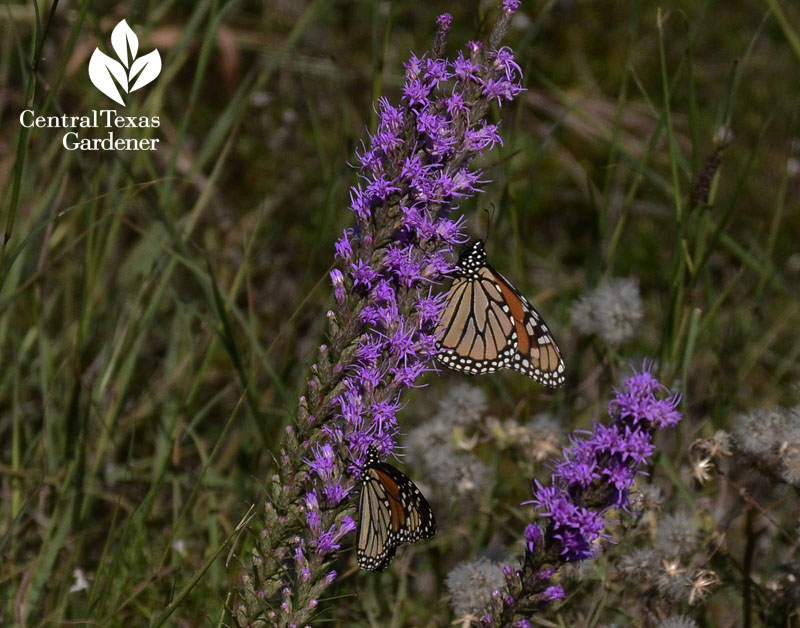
(613, 311)
(594, 477)
(415, 169)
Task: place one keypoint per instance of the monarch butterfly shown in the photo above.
(487, 325)
(392, 511)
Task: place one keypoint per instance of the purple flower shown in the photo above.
(444, 21)
(301, 563)
(327, 541)
(594, 476)
(416, 92)
(465, 69)
(484, 137)
(503, 60)
(362, 273)
(436, 71)
(370, 377)
(431, 124)
(429, 306)
(368, 351)
(381, 188)
(384, 415)
(344, 248)
(500, 89)
(403, 264)
(553, 593)
(337, 279)
(414, 66)
(407, 375)
(324, 462)
(371, 160)
(455, 103)
(533, 536)
(359, 202)
(414, 170)
(605, 463)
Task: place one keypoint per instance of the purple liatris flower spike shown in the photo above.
(414, 169)
(594, 476)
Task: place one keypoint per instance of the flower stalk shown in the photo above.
(414, 170)
(593, 479)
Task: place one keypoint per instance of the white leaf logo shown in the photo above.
(122, 39)
(101, 70)
(147, 68)
(129, 73)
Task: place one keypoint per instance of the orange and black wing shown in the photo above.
(536, 354)
(392, 511)
(486, 325)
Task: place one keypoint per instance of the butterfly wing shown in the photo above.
(486, 325)
(537, 354)
(375, 549)
(392, 511)
(476, 333)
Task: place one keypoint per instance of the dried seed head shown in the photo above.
(702, 583)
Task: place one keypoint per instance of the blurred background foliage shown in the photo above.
(158, 310)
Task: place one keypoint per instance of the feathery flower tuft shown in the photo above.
(707, 453)
(668, 569)
(639, 565)
(757, 432)
(677, 530)
(772, 439)
(678, 621)
(471, 584)
(439, 447)
(702, 583)
(463, 404)
(673, 580)
(452, 476)
(613, 311)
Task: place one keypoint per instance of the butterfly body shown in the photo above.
(487, 325)
(392, 511)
